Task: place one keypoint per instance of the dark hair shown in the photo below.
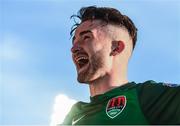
(108, 15)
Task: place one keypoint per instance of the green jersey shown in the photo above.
(143, 103)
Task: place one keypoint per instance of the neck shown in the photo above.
(109, 81)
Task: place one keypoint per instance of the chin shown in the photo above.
(87, 79)
(91, 72)
(83, 80)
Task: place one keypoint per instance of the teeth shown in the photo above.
(79, 58)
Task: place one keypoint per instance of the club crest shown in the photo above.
(115, 106)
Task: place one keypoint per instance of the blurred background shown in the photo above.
(37, 75)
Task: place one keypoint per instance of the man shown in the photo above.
(103, 43)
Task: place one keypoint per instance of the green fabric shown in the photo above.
(146, 103)
(160, 103)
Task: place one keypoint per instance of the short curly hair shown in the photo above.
(108, 15)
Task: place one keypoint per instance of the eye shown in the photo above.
(86, 37)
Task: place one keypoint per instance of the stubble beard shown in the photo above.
(95, 63)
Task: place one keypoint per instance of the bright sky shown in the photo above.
(35, 56)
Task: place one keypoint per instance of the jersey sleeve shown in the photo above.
(67, 120)
(160, 102)
(69, 117)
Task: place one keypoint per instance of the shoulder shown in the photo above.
(75, 109)
(152, 90)
(151, 84)
(156, 97)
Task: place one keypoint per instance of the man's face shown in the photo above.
(90, 51)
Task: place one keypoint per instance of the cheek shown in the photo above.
(107, 58)
(94, 47)
(97, 45)
(101, 45)
(107, 48)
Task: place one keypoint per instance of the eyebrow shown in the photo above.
(81, 34)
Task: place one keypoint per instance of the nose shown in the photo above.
(75, 49)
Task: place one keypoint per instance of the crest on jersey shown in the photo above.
(115, 106)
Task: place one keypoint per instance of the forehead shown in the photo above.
(88, 25)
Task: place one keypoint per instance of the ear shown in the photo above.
(117, 47)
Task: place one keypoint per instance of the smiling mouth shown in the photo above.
(81, 61)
